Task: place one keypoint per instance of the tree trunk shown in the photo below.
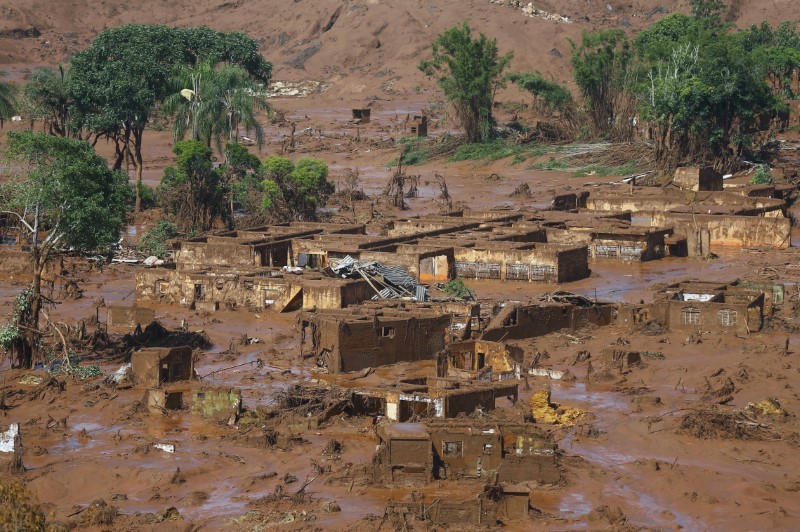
(137, 152)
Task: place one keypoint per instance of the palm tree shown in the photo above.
(8, 94)
(214, 102)
(47, 97)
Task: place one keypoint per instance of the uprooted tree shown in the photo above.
(470, 72)
(66, 198)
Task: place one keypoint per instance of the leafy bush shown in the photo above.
(295, 190)
(457, 288)
(552, 164)
(147, 195)
(762, 176)
(154, 241)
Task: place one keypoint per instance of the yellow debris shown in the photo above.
(31, 380)
(767, 407)
(544, 411)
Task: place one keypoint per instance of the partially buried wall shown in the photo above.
(730, 230)
(517, 321)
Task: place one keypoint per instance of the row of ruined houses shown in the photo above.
(387, 332)
(469, 341)
(288, 267)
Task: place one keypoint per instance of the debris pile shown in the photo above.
(388, 282)
(543, 411)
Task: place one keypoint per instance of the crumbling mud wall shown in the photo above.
(516, 321)
(403, 455)
(343, 343)
(153, 366)
(522, 262)
(272, 290)
(535, 467)
(730, 230)
(127, 318)
(709, 307)
(479, 359)
(465, 450)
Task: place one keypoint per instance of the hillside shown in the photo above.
(358, 46)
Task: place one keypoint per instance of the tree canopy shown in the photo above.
(192, 191)
(703, 90)
(554, 96)
(8, 93)
(470, 71)
(214, 101)
(117, 82)
(295, 190)
(603, 71)
(65, 198)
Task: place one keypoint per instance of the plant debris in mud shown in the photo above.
(715, 423)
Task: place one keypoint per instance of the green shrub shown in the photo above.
(762, 176)
(154, 241)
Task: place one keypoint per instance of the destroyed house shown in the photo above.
(697, 178)
(432, 397)
(269, 246)
(514, 452)
(154, 366)
(479, 359)
(515, 261)
(560, 310)
(404, 453)
(621, 240)
(361, 116)
(711, 219)
(363, 337)
(419, 126)
(267, 288)
(708, 306)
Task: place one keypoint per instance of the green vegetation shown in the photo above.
(457, 288)
(704, 90)
(213, 102)
(552, 164)
(68, 191)
(762, 176)
(604, 72)
(294, 191)
(193, 192)
(118, 82)
(154, 241)
(8, 94)
(242, 175)
(47, 97)
(547, 95)
(470, 71)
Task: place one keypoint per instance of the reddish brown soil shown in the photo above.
(627, 455)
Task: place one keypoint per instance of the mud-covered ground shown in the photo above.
(648, 454)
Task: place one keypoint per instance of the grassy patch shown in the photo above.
(422, 150)
(551, 164)
(496, 150)
(417, 151)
